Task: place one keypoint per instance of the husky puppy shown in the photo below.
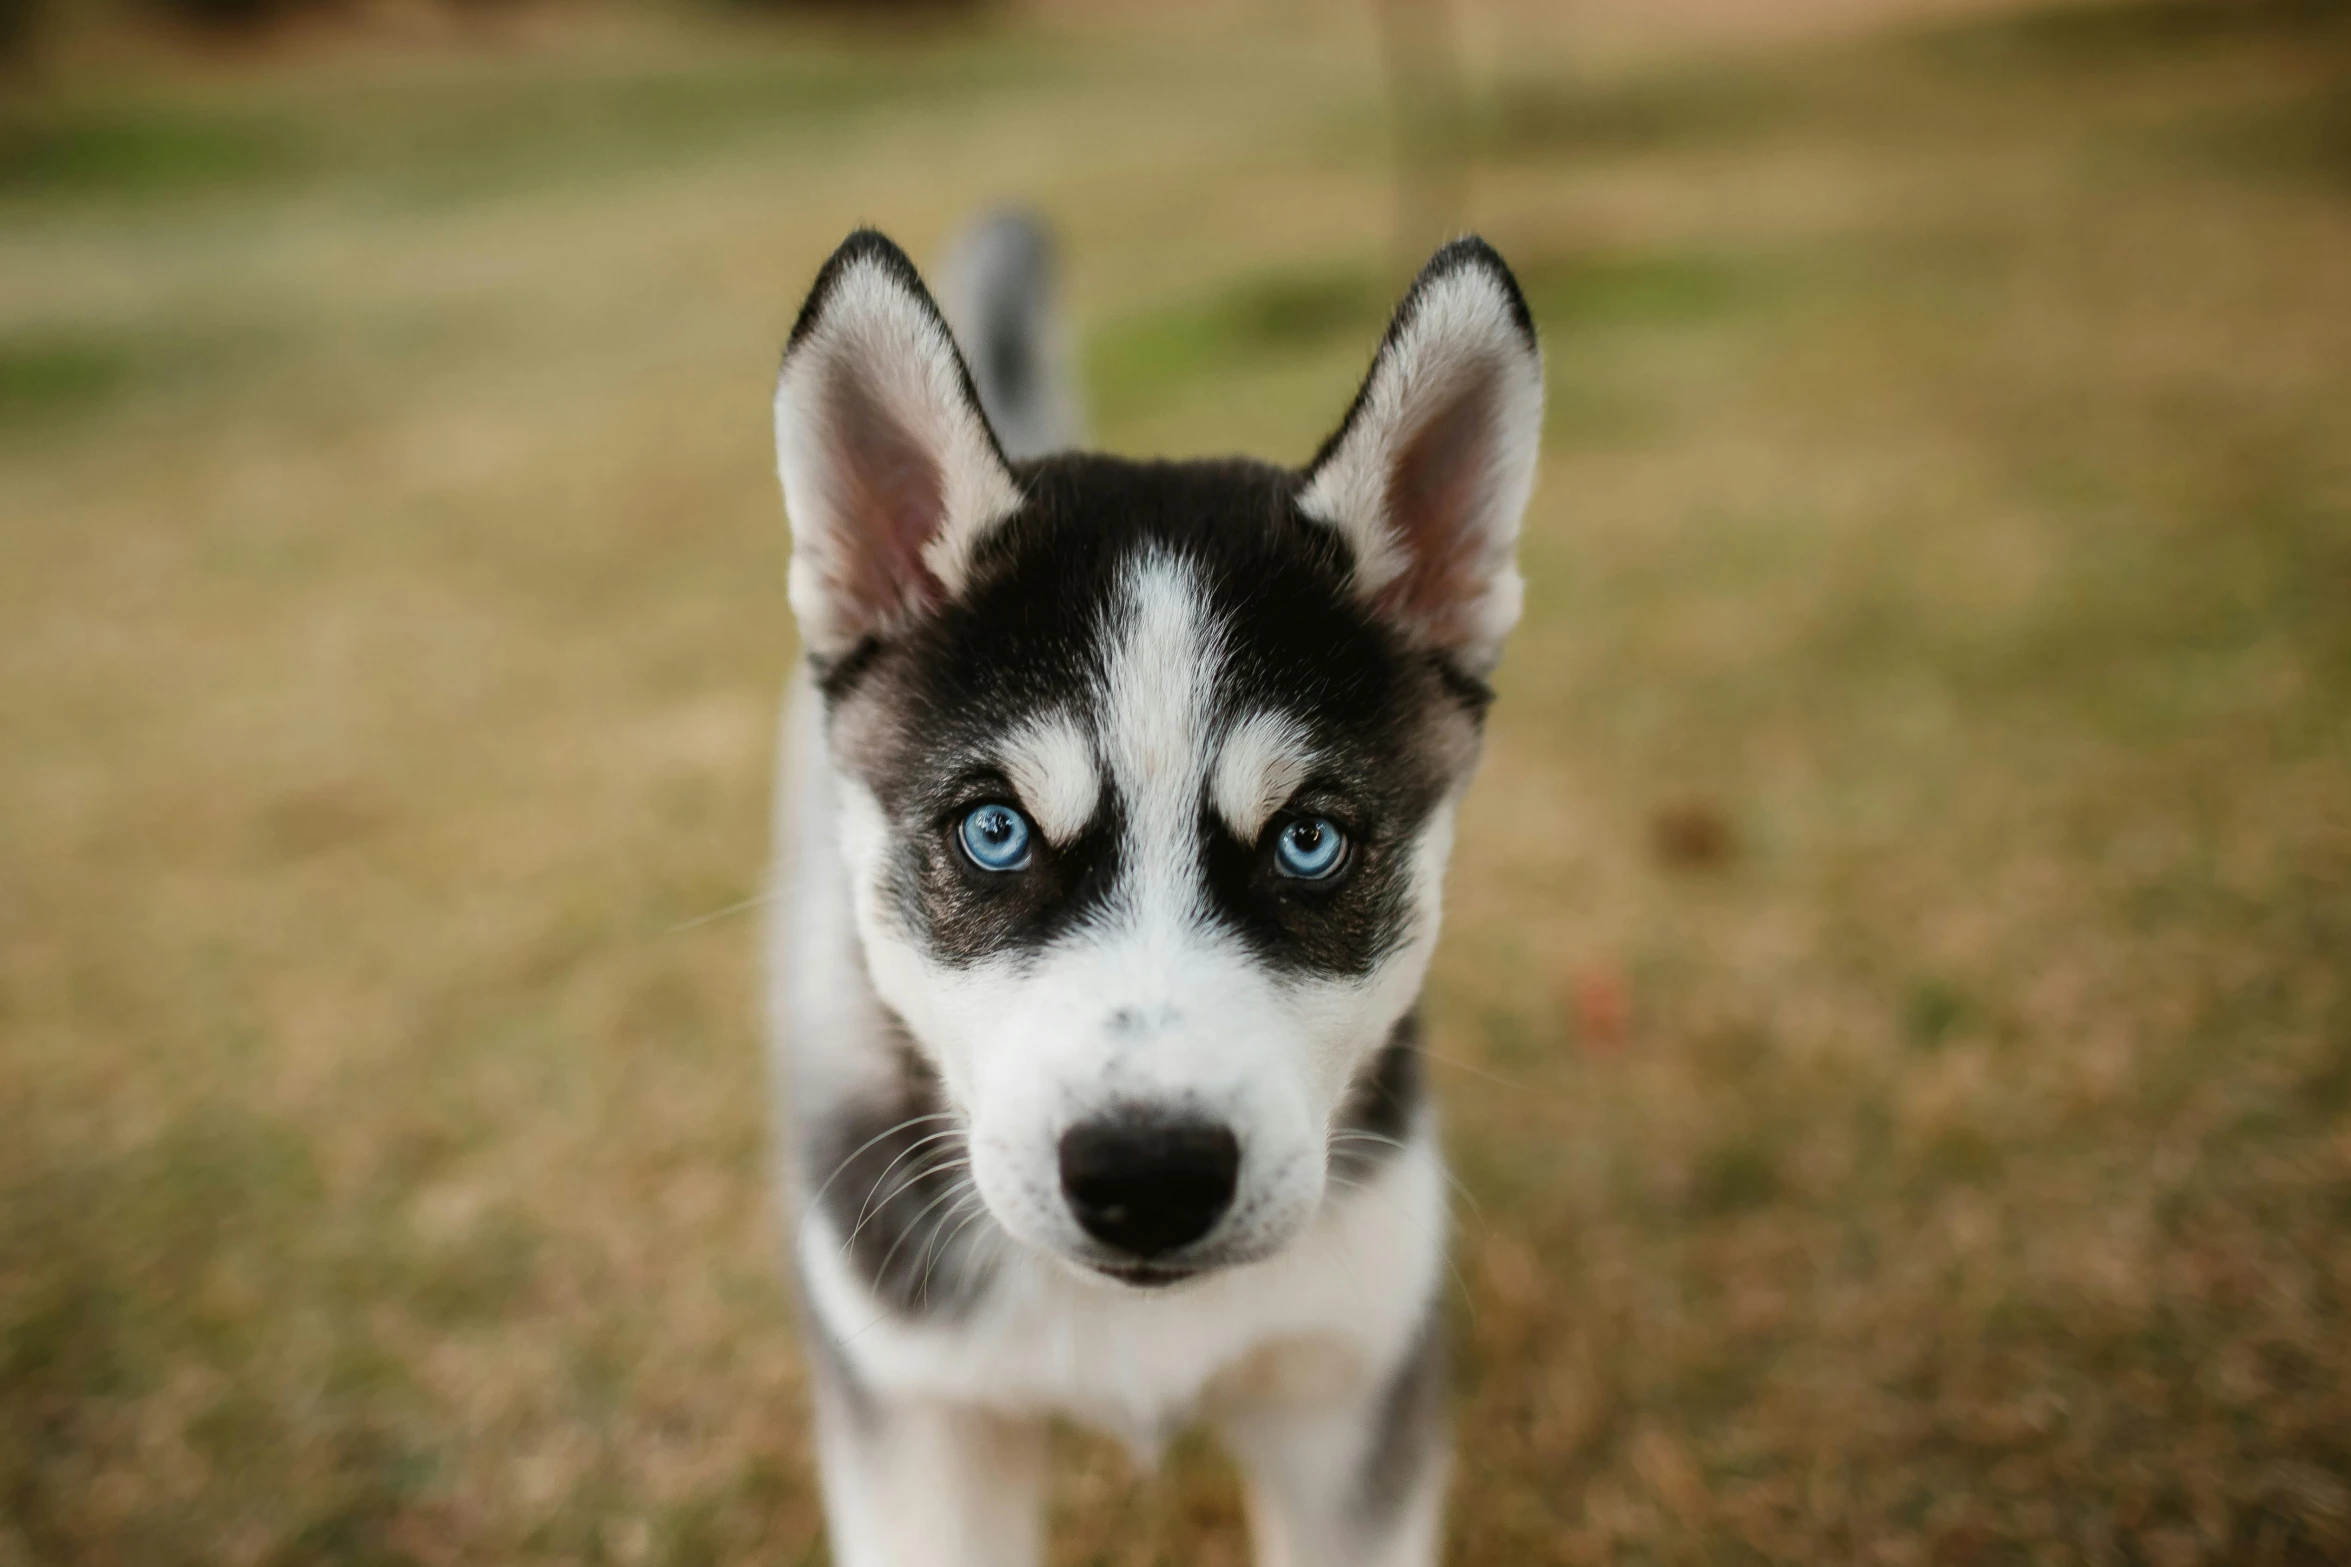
(1117, 802)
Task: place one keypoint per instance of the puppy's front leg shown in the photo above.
(911, 1484)
(1353, 1481)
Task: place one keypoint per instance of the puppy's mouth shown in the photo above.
(1150, 1275)
(1165, 1272)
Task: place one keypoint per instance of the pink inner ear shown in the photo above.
(893, 502)
(1435, 491)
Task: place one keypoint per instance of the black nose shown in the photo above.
(1148, 1185)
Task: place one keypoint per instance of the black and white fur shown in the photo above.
(1161, 664)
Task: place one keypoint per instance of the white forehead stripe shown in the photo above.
(1051, 764)
(1264, 760)
(1162, 656)
(1164, 653)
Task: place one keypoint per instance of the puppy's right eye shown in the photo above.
(1309, 848)
(996, 837)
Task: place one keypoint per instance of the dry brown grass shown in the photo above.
(1947, 531)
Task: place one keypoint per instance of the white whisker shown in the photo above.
(882, 1270)
(912, 1178)
(917, 1144)
(700, 920)
(1356, 1135)
(910, 1121)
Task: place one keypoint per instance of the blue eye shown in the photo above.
(1309, 848)
(996, 837)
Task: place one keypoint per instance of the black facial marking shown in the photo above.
(1340, 924)
(1474, 695)
(1299, 648)
(919, 718)
(972, 913)
(837, 675)
(892, 1173)
(1375, 1119)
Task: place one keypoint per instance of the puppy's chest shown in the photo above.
(1141, 1366)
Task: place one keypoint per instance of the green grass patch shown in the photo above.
(1736, 1177)
(112, 1271)
(448, 134)
(2306, 138)
(2074, 36)
(50, 375)
(457, 139)
(1576, 294)
(1139, 362)
(125, 150)
(1933, 1010)
(1548, 117)
(1142, 361)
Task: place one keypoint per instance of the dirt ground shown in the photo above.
(1893, 1018)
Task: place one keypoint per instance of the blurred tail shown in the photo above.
(1000, 290)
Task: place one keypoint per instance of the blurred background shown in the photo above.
(1893, 1024)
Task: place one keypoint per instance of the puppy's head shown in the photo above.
(1146, 771)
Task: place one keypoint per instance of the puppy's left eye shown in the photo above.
(1309, 848)
(996, 837)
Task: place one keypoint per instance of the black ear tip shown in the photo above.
(869, 244)
(1471, 253)
(863, 247)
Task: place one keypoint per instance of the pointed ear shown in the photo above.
(891, 474)
(1427, 475)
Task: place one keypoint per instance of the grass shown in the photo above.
(481, 130)
(1893, 1019)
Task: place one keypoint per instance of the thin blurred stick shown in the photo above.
(1424, 82)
